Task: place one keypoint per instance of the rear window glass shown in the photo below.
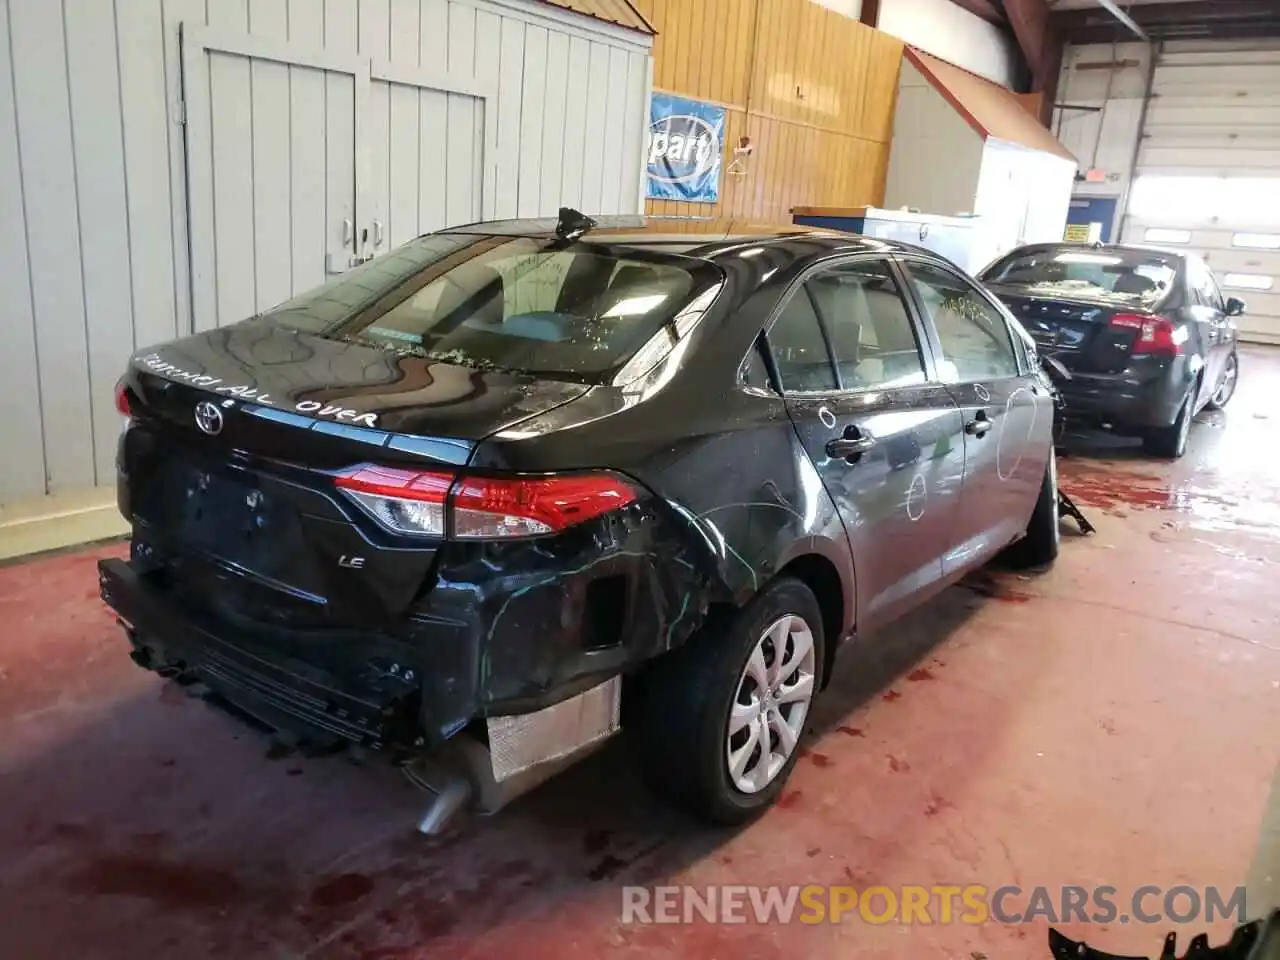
(1122, 275)
(529, 304)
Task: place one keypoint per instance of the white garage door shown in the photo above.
(1208, 175)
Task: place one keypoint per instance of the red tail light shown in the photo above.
(122, 400)
(440, 504)
(1155, 334)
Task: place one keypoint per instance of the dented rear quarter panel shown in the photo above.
(723, 460)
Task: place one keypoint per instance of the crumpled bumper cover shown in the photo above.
(504, 630)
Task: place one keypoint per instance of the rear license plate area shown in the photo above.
(224, 516)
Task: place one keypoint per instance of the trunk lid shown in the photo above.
(1076, 329)
(228, 467)
(313, 401)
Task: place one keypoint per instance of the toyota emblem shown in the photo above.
(208, 417)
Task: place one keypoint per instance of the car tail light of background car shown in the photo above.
(1156, 335)
(433, 504)
(122, 401)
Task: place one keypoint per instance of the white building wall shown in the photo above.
(1022, 197)
(945, 30)
(94, 253)
(935, 154)
(1102, 140)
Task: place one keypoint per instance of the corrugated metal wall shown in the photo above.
(812, 88)
(94, 196)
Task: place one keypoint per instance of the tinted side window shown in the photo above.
(1203, 287)
(753, 373)
(800, 348)
(871, 333)
(973, 334)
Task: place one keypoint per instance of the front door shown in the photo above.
(1007, 413)
(1208, 313)
(885, 439)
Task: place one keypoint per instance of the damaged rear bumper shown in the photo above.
(281, 692)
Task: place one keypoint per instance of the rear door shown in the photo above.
(1007, 413)
(855, 373)
(1208, 313)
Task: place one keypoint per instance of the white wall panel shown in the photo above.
(926, 128)
(946, 30)
(47, 161)
(96, 127)
(107, 247)
(23, 430)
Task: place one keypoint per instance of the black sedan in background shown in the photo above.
(1146, 334)
(513, 485)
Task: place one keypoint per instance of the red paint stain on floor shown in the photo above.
(170, 884)
(994, 585)
(891, 695)
(790, 800)
(898, 766)
(919, 674)
(935, 805)
(341, 890)
(850, 731)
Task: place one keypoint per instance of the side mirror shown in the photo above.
(1235, 307)
(1054, 367)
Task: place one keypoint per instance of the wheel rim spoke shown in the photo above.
(786, 736)
(802, 643)
(778, 634)
(742, 714)
(738, 758)
(763, 771)
(800, 691)
(756, 668)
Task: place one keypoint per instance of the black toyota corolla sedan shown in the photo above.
(487, 499)
(1146, 333)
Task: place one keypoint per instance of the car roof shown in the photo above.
(1103, 247)
(707, 239)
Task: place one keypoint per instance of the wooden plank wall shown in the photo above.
(813, 89)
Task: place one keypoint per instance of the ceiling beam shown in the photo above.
(1041, 47)
(985, 9)
(1152, 17)
(1124, 18)
(1240, 30)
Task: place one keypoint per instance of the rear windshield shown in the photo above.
(1125, 275)
(517, 303)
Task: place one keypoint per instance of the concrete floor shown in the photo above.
(1112, 722)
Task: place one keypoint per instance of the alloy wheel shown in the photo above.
(1184, 427)
(1228, 385)
(769, 707)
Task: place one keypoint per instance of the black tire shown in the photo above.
(1039, 548)
(1227, 385)
(1170, 442)
(679, 712)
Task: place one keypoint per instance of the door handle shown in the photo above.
(851, 446)
(979, 426)
(348, 232)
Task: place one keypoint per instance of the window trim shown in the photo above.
(918, 328)
(1020, 361)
